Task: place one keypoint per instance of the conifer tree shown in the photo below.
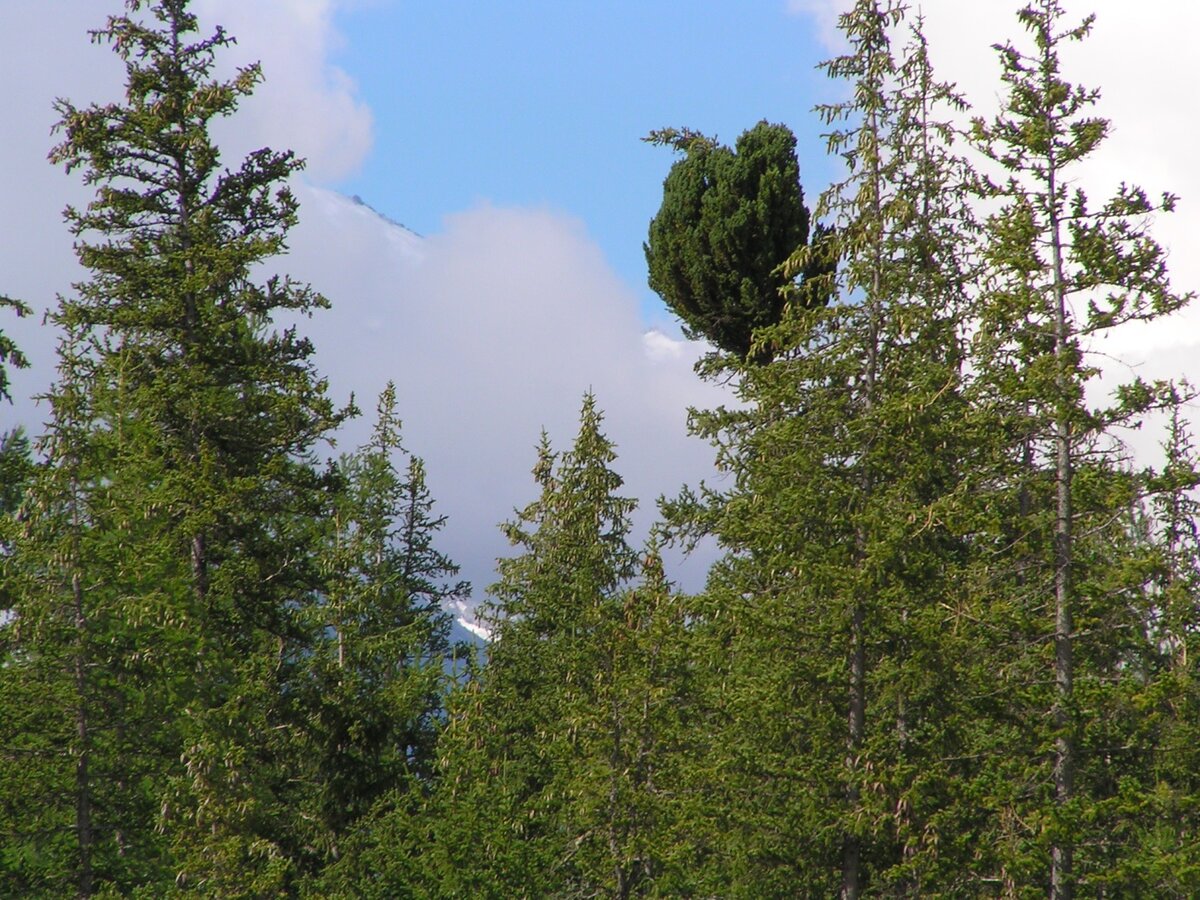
(16, 470)
(378, 677)
(16, 467)
(83, 742)
(837, 770)
(49, 762)
(556, 766)
(729, 219)
(1062, 274)
(198, 495)
(1177, 517)
(627, 784)
(10, 353)
(1163, 803)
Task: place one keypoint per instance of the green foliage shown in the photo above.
(729, 219)
(557, 769)
(169, 554)
(1058, 275)
(511, 740)
(78, 762)
(838, 690)
(378, 676)
(10, 354)
(627, 780)
(16, 468)
(949, 649)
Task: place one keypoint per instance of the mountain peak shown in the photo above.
(359, 201)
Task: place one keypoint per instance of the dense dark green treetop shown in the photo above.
(729, 218)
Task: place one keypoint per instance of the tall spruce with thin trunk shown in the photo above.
(1062, 274)
(96, 754)
(67, 829)
(840, 688)
(199, 421)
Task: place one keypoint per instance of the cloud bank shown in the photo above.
(492, 330)
(306, 102)
(493, 327)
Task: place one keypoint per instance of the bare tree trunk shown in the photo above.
(851, 849)
(1061, 885)
(83, 799)
(857, 719)
(199, 568)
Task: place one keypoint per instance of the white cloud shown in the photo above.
(492, 330)
(306, 102)
(824, 14)
(664, 348)
(44, 54)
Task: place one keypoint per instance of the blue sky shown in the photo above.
(544, 102)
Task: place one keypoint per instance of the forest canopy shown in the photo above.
(948, 645)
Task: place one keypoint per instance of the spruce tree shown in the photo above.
(49, 761)
(378, 677)
(1165, 810)
(838, 691)
(188, 485)
(1176, 519)
(626, 784)
(557, 775)
(86, 742)
(1063, 274)
(10, 353)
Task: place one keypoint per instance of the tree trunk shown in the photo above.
(83, 797)
(851, 849)
(1064, 756)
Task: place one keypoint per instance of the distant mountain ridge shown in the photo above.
(466, 625)
(359, 201)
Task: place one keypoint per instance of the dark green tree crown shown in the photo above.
(729, 219)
